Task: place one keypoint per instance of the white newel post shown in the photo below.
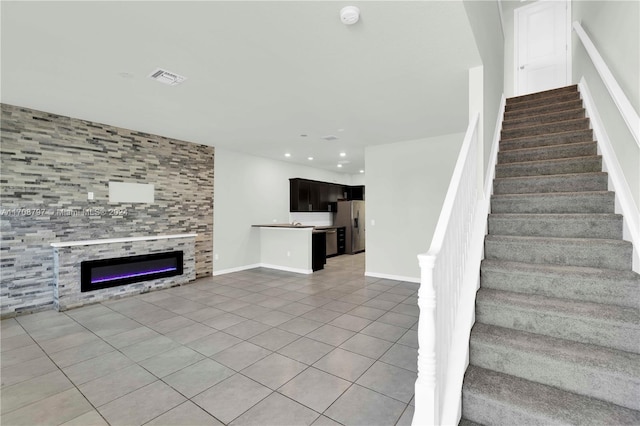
(426, 412)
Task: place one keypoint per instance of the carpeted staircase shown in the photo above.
(557, 332)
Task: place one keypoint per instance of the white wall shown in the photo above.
(484, 17)
(620, 49)
(286, 249)
(406, 186)
(359, 179)
(251, 190)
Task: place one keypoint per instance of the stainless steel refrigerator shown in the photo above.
(350, 214)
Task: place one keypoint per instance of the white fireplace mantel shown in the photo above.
(120, 240)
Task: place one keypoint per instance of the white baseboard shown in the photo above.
(625, 204)
(286, 268)
(236, 269)
(262, 265)
(392, 277)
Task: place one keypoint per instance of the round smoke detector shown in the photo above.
(349, 15)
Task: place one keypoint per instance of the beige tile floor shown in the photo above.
(258, 347)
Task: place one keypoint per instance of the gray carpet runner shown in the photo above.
(557, 333)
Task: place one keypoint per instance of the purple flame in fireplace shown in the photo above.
(138, 274)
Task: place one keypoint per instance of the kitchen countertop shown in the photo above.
(315, 229)
(283, 225)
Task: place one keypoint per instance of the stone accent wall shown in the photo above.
(48, 165)
(67, 290)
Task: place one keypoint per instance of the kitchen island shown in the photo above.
(293, 248)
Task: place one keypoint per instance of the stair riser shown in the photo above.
(559, 203)
(492, 398)
(551, 167)
(602, 254)
(557, 372)
(583, 330)
(585, 135)
(536, 120)
(544, 129)
(560, 98)
(592, 227)
(546, 184)
(548, 153)
(546, 94)
(598, 289)
(543, 109)
(478, 408)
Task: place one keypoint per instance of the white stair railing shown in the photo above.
(443, 270)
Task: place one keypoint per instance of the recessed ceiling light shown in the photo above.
(287, 154)
(304, 135)
(339, 165)
(309, 158)
(361, 171)
(343, 154)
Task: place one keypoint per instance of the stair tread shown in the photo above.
(533, 216)
(558, 134)
(551, 161)
(465, 422)
(552, 194)
(612, 314)
(549, 100)
(535, 268)
(524, 111)
(544, 148)
(591, 356)
(564, 89)
(548, 114)
(556, 240)
(583, 283)
(554, 176)
(549, 404)
(555, 123)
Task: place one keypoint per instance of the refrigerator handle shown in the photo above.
(355, 223)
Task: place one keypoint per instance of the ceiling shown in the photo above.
(259, 74)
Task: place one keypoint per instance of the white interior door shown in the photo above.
(542, 50)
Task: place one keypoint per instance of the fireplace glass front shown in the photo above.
(104, 273)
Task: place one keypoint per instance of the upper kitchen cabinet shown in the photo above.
(313, 196)
(355, 192)
(299, 195)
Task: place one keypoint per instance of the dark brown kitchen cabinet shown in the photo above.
(356, 192)
(314, 196)
(299, 195)
(318, 250)
(342, 233)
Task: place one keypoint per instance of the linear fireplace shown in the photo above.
(105, 273)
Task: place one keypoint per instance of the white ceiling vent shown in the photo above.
(166, 77)
(330, 138)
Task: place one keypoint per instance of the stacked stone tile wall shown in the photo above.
(49, 163)
(67, 290)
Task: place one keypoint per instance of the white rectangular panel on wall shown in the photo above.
(126, 192)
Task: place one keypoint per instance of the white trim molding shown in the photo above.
(236, 269)
(286, 268)
(392, 277)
